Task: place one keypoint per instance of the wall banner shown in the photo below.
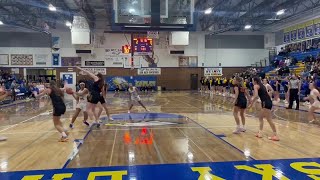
(41, 59)
(301, 33)
(286, 37)
(70, 61)
(55, 59)
(294, 35)
(102, 71)
(22, 59)
(122, 82)
(4, 59)
(116, 56)
(188, 61)
(309, 31)
(213, 72)
(94, 63)
(149, 71)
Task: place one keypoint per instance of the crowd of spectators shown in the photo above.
(20, 87)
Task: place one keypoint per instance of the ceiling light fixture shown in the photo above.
(208, 11)
(68, 24)
(131, 10)
(280, 12)
(52, 8)
(247, 26)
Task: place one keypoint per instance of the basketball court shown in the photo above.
(184, 129)
(188, 133)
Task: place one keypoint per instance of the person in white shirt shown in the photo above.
(81, 97)
(314, 95)
(134, 96)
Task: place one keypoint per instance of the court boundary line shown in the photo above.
(78, 148)
(273, 112)
(113, 144)
(215, 135)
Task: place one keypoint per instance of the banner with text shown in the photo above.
(94, 63)
(213, 72)
(116, 56)
(102, 71)
(149, 71)
(122, 82)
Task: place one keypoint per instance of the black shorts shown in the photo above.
(96, 99)
(59, 110)
(241, 103)
(266, 104)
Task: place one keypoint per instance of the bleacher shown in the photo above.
(297, 69)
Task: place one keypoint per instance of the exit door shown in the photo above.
(194, 81)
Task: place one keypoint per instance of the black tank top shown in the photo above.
(242, 91)
(57, 100)
(95, 88)
(263, 94)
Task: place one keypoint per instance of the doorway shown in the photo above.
(194, 81)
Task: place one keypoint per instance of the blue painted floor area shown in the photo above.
(297, 169)
(144, 116)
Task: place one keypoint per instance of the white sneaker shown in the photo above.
(243, 129)
(237, 131)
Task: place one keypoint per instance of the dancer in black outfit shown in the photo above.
(97, 94)
(240, 104)
(59, 108)
(261, 91)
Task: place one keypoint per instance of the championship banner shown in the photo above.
(316, 23)
(309, 29)
(301, 32)
(213, 72)
(293, 35)
(102, 71)
(149, 71)
(286, 37)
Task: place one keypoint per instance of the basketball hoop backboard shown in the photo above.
(137, 14)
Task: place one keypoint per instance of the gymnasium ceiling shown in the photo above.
(227, 15)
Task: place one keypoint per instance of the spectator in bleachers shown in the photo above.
(13, 87)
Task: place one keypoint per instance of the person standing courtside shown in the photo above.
(294, 91)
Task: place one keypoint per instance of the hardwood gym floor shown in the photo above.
(183, 127)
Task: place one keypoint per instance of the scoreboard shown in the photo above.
(143, 46)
